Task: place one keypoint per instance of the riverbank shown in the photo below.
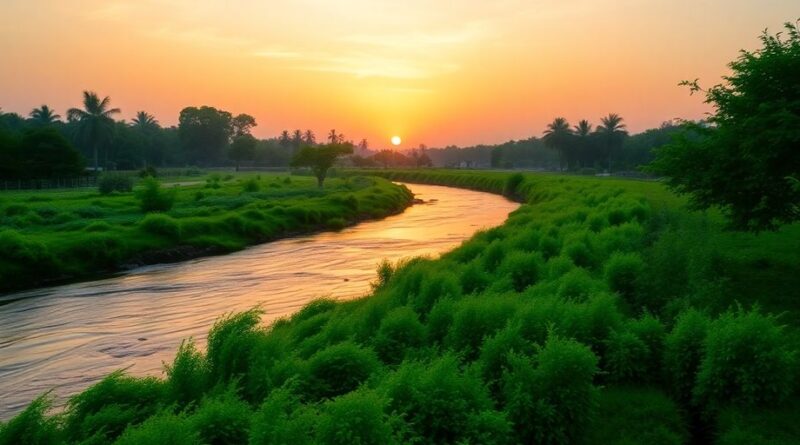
(50, 237)
(601, 311)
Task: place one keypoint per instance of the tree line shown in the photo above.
(207, 136)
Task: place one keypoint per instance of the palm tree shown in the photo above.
(334, 137)
(95, 122)
(612, 133)
(309, 137)
(583, 129)
(144, 120)
(284, 140)
(44, 115)
(583, 148)
(557, 136)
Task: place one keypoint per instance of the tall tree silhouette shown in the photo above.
(557, 136)
(96, 126)
(583, 143)
(612, 134)
(309, 137)
(144, 120)
(43, 116)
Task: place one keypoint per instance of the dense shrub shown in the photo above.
(108, 407)
(511, 186)
(153, 198)
(747, 426)
(355, 418)
(283, 420)
(114, 182)
(683, 352)
(436, 286)
(474, 320)
(164, 428)
(622, 270)
(438, 402)
(250, 185)
(222, 420)
(627, 416)
(549, 398)
(230, 342)
(399, 331)
(626, 357)
(31, 426)
(161, 225)
(338, 370)
(188, 375)
(524, 269)
(748, 360)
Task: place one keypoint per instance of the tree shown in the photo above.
(309, 138)
(320, 158)
(144, 121)
(335, 138)
(204, 133)
(363, 146)
(96, 126)
(44, 116)
(611, 134)
(243, 148)
(242, 124)
(558, 136)
(297, 140)
(49, 155)
(583, 143)
(743, 160)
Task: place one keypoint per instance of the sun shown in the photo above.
(396, 140)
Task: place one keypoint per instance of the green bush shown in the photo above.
(524, 269)
(747, 426)
(222, 420)
(627, 416)
(32, 426)
(114, 182)
(511, 186)
(283, 420)
(626, 357)
(474, 320)
(437, 401)
(355, 418)
(152, 198)
(111, 405)
(550, 398)
(250, 185)
(164, 428)
(683, 352)
(161, 225)
(399, 331)
(230, 342)
(622, 271)
(338, 370)
(578, 284)
(148, 171)
(188, 375)
(748, 360)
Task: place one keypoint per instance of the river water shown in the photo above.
(67, 337)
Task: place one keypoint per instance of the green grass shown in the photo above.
(49, 236)
(600, 312)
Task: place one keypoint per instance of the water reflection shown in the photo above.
(66, 337)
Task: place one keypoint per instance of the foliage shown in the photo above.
(114, 182)
(741, 160)
(320, 158)
(153, 198)
(32, 426)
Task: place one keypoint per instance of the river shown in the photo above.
(65, 338)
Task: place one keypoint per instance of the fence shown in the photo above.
(42, 184)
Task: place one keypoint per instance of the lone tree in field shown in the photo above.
(747, 159)
(320, 158)
(95, 124)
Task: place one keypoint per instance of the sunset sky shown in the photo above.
(434, 72)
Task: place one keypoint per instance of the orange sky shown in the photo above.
(434, 72)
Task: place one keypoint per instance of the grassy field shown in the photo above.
(50, 236)
(600, 312)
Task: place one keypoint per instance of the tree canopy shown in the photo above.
(745, 158)
(320, 158)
